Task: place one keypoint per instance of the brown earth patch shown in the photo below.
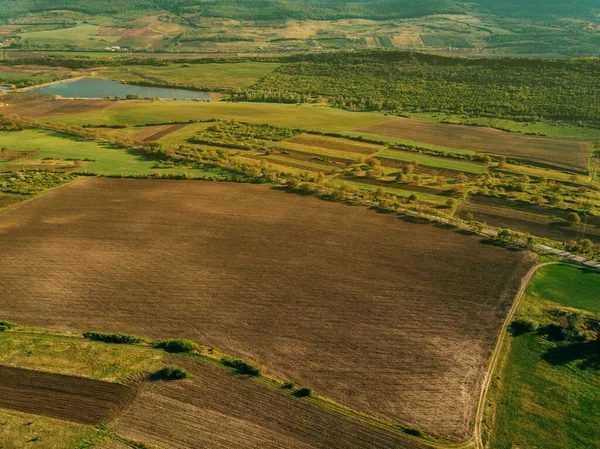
(222, 410)
(568, 153)
(392, 318)
(155, 133)
(325, 160)
(331, 143)
(33, 106)
(70, 398)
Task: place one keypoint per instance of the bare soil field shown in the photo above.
(220, 409)
(70, 398)
(33, 106)
(568, 153)
(332, 143)
(391, 318)
(530, 218)
(155, 133)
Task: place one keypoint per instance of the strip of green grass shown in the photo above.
(425, 197)
(395, 140)
(351, 157)
(438, 162)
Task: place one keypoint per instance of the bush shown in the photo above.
(171, 373)
(288, 385)
(241, 366)
(5, 325)
(113, 338)
(303, 392)
(178, 345)
(524, 326)
(413, 432)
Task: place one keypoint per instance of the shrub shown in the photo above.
(113, 338)
(241, 366)
(413, 432)
(177, 345)
(303, 392)
(171, 373)
(5, 325)
(524, 326)
(288, 385)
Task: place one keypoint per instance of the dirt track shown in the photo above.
(569, 153)
(388, 317)
(221, 410)
(75, 399)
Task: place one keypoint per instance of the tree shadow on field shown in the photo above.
(413, 220)
(496, 243)
(586, 352)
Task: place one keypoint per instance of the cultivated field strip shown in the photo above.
(70, 398)
(390, 318)
(219, 409)
(155, 133)
(336, 144)
(569, 153)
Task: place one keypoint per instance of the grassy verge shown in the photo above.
(547, 392)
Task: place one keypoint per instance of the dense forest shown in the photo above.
(512, 88)
(303, 9)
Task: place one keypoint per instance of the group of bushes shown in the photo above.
(6, 325)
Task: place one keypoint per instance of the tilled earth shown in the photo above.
(391, 318)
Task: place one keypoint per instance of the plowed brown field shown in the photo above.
(154, 133)
(76, 399)
(569, 153)
(391, 318)
(221, 410)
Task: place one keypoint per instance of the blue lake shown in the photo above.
(5, 87)
(100, 88)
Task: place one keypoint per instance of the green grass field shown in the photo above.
(291, 116)
(567, 286)
(108, 160)
(202, 75)
(350, 157)
(437, 162)
(83, 36)
(399, 192)
(541, 401)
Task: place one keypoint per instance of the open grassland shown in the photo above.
(220, 410)
(292, 116)
(199, 75)
(386, 337)
(102, 158)
(572, 154)
(547, 392)
(84, 36)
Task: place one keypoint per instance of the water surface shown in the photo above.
(100, 88)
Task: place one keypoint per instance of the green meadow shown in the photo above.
(288, 116)
(450, 164)
(104, 159)
(546, 395)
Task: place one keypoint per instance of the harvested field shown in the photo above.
(388, 317)
(75, 399)
(219, 409)
(529, 218)
(332, 143)
(305, 155)
(155, 133)
(567, 153)
(34, 106)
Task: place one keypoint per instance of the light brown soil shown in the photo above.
(569, 153)
(70, 398)
(33, 106)
(155, 133)
(222, 410)
(331, 143)
(391, 318)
